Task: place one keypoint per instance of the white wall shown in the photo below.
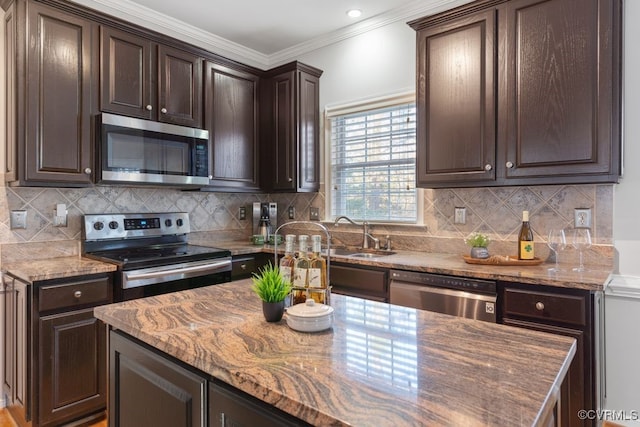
(626, 208)
(376, 63)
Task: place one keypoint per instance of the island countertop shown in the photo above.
(379, 364)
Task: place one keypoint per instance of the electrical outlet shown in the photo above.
(292, 212)
(242, 213)
(314, 214)
(18, 219)
(582, 218)
(460, 216)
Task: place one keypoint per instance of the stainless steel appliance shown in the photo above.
(145, 152)
(152, 253)
(265, 218)
(457, 296)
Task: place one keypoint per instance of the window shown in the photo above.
(373, 164)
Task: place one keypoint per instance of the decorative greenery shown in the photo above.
(477, 240)
(269, 284)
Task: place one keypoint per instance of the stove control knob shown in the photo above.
(179, 222)
(168, 222)
(113, 225)
(98, 225)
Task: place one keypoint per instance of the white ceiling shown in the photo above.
(265, 32)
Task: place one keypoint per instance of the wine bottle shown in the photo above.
(525, 238)
(317, 271)
(300, 272)
(287, 261)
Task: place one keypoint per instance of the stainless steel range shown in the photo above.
(152, 253)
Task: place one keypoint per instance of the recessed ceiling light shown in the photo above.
(354, 13)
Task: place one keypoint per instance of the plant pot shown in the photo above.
(273, 311)
(479, 253)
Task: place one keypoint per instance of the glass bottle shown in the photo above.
(287, 261)
(317, 271)
(300, 271)
(525, 238)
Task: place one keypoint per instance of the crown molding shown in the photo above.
(164, 24)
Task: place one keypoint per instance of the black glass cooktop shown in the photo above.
(150, 256)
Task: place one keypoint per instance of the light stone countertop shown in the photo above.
(379, 364)
(595, 278)
(54, 268)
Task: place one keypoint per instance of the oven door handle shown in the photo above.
(210, 267)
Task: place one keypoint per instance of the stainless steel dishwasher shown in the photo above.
(457, 296)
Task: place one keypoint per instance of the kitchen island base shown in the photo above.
(148, 388)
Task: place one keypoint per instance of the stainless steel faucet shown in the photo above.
(365, 232)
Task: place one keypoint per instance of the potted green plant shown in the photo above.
(272, 289)
(478, 243)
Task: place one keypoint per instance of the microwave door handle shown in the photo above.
(212, 267)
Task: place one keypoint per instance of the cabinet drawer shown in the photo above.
(74, 294)
(243, 267)
(367, 280)
(547, 306)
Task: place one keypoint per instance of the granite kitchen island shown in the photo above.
(380, 364)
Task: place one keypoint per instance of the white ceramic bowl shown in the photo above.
(309, 316)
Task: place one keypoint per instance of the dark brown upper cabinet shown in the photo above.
(232, 119)
(290, 125)
(456, 100)
(49, 101)
(519, 92)
(141, 78)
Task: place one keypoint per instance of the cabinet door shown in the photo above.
(179, 87)
(8, 338)
(146, 389)
(456, 86)
(283, 148)
(574, 393)
(230, 408)
(59, 96)
(368, 283)
(308, 133)
(72, 366)
(128, 74)
(560, 99)
(231, 117)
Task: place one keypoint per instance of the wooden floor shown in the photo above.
(7, 421)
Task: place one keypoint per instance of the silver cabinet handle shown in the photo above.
(509, 165)
(77, 294)
(488, 167)
(149, 107)
(540, 306)
(243, 266)
(290, 179)
(163, 110)
(87, 171)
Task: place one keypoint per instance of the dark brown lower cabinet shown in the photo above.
(149, 388)
(55, 362)
(569, 312)
(146, 389)
(369, 283)
(72, 366)
(231, 408)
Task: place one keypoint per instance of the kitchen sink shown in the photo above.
(359, 252)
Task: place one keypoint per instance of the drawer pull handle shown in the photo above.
(539, 306)
(243, 266)
(77, 294)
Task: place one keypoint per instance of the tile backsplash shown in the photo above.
(496, 211)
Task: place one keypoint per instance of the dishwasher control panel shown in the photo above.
(444, 281)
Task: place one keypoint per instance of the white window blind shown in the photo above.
(373, 164)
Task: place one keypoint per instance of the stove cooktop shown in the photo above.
(133, 258)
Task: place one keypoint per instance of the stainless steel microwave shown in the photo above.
(140, 151)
